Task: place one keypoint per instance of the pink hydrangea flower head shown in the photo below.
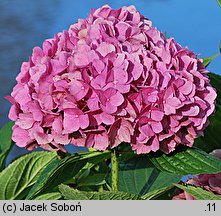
(210, 182)
(111, 78)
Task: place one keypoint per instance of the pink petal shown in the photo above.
(119, 60)
(95, 120)
(57, 67)
(215, 184)
(25, 120)
(103, 11)
(166, 56)
(101, 141)
(164, 136)
(40, 136)
(142, 138)
(35, 109)
(78, 90)
(94, 32)
(174, 102)
(71, 121)
(13, 113)
(120, 75)
(117, 99)
(146, 129)
(99, 65)
(21, 136)
(155, 144)
(122, 28)
(124, 134)
(57, 125)
(216, 153)
(78, 142)
(105, 48)
(211, 96)
(84, 121)
(37, 72)
(192, 111)
(186, 88)
(156, 126)
(24, 76)
(93, 103)
(37, 55)
(109, 108)
(110, 92)
(157, 115)
(137, 70)
(169, 109)
(152, 98)
(99, 81)
(107, 119)
(81, 60)
(61, 138)
(22, 95)
(122, 88)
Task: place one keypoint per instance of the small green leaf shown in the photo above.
(49, 196)
(207, 61)
(219, 2)
(187, 161)
(19, 176)
(198, 192)
(73, 194)
(61, 171)
(5, 143)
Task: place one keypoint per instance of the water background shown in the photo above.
(27, 23)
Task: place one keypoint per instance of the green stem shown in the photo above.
(114, 170)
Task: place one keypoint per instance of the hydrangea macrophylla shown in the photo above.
(111, 78)
(210, 182)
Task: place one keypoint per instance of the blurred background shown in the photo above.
(25, 24)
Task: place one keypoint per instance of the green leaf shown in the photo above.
(156, 193)
(5, 136)
(93, 180)
(187, 161)
(92, 176)
(215, 81)
(198, 192)
(18, 177)
(207, 61)
(219, 2)
(139, 176)
(73, 194)
(94, 163)
(61, 171)
(49, 196)
(5, 143)
(212, 139)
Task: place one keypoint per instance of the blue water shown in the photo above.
(25, 24)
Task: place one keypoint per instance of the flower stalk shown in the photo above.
(114, 170)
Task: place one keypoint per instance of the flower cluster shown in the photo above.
(111, 78)
(210, 182)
